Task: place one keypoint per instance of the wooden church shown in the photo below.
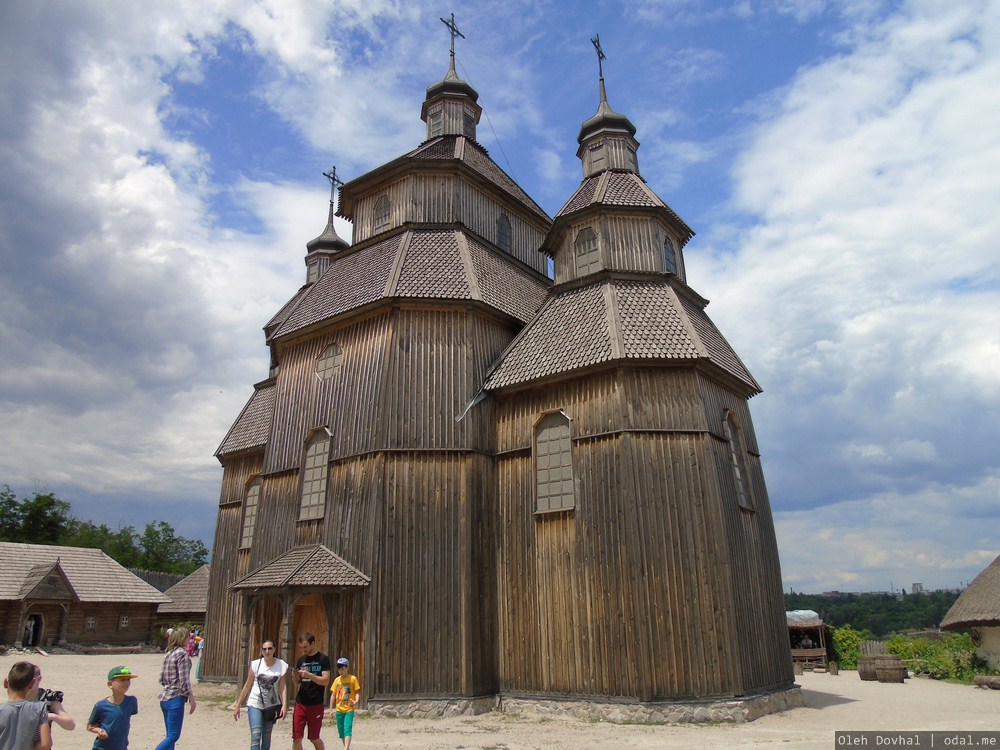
(478, 482)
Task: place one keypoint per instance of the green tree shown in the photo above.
(162, 549)
(45, 519)
(40, 519)
(10, 516)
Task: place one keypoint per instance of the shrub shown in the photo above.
(847, 644)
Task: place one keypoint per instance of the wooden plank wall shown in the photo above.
(633, 243)
(409, 499)
(223, 655)
(758, 598)
(480, 210)
(634, 585)
(449, 198)
(399, 193)
(106, 630)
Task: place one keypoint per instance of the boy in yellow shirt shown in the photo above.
(346, 689)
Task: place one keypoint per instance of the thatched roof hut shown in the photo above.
(978, 608)
(979, 604)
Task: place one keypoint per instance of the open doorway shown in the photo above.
(33, 628)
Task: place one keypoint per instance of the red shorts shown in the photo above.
(307, 715)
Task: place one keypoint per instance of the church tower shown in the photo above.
(354, 504)
(630, 488)
(474, 482)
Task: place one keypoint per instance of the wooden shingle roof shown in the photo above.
(189, 594)
(418, 263)
(91, 574)
(253, 425)
(979, 604)
(622, 189)
(611, 321)
(312, 566)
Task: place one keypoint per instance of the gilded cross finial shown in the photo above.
(596, 41)
(334, 181)
(453, 29)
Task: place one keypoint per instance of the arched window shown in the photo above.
(669, 255)
(503, 232)
(553, 464)
(250, 514)
(314, 471)
(588, 255)
(381, 216)
(328, 363)
(738, 459)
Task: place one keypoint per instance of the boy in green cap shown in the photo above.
(111, 718)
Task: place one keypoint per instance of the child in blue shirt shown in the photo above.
(111, 718)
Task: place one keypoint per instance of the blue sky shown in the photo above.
(160, 174)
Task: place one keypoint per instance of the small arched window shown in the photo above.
(250, 514)
(554, 488)
(329, 361)
(669, 255)
(588, 254)
(738, 459)
(503, 233)
(314, 471)
(381, 215)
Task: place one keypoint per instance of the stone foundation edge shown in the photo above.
(744, 709)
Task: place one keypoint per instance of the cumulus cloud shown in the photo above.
(853, 265)
(863, 287)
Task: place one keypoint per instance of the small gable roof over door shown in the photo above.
(312, 566)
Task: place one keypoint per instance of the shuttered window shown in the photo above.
(314, 471)
(435, 121)
(382, 210)
(503, 233)
(250, 515)
(669, 255)
(328, 363)
(554, 464)
(738, 459)
(588, 256)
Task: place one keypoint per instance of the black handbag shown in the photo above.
(271, 713)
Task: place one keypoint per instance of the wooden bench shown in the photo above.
(809, 657)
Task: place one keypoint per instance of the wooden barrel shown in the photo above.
(866, 668)
(889, 668)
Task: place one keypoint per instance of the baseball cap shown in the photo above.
(342, 662)
(120, 672)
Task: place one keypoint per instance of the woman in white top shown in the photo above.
(265, 686)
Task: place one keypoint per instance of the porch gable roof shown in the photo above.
(313, 566)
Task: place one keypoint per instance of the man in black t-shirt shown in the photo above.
(311, 676)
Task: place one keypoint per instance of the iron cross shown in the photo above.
(454, 31)
(334, 180)
(596, 41)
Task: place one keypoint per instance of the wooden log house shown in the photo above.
(475, 482)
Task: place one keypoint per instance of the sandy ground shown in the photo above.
(841, 702)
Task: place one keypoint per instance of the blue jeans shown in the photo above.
(260, 730)
(173, 720)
